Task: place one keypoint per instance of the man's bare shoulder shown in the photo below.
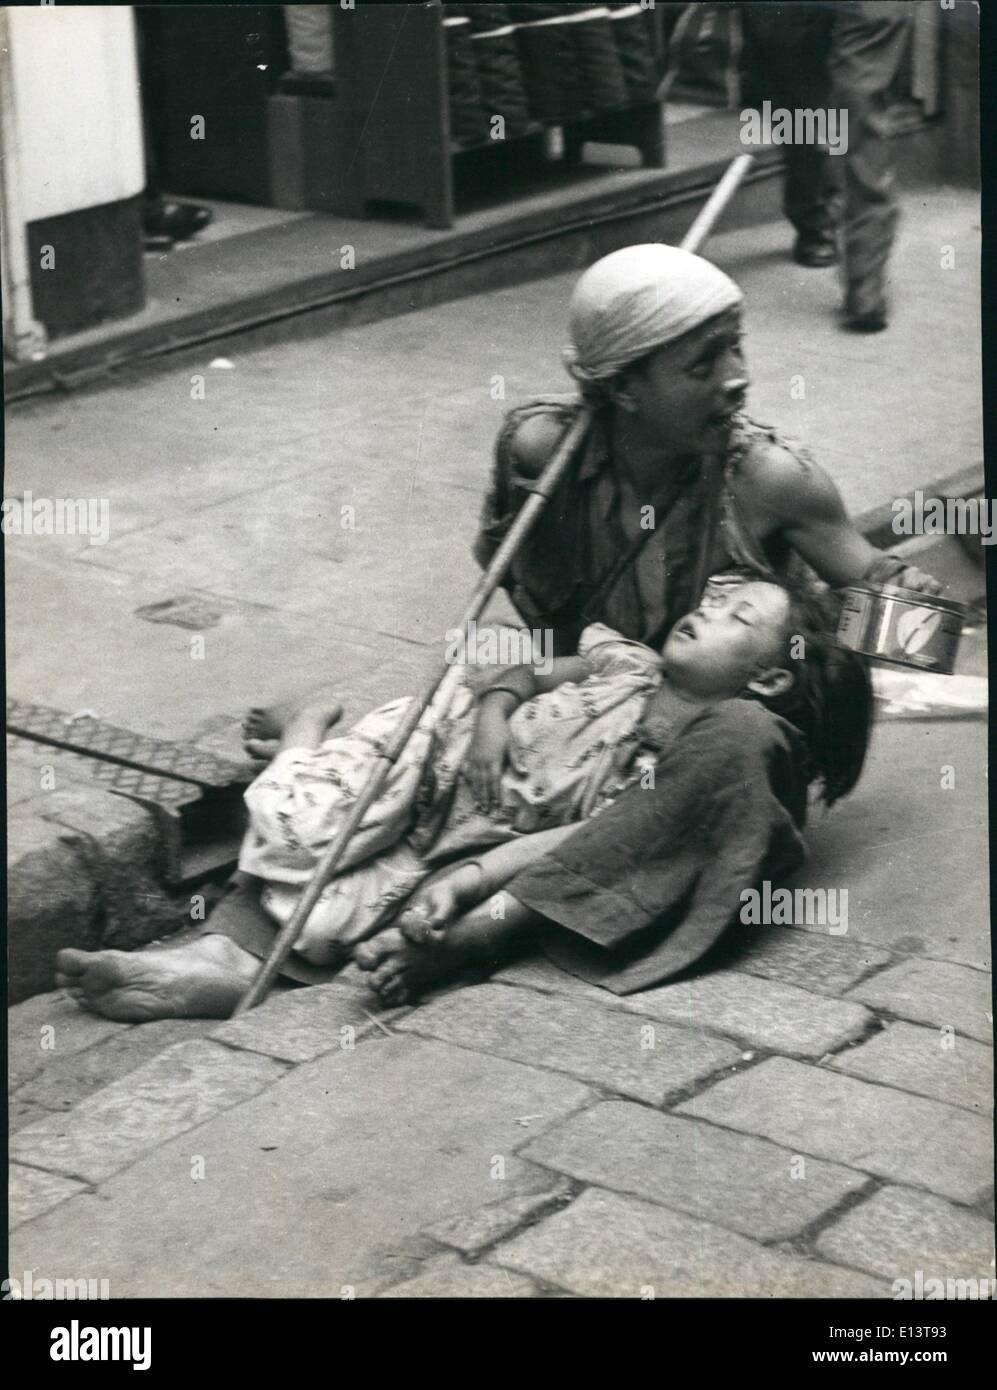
(537, 433)
(781, 477)
(765, 455)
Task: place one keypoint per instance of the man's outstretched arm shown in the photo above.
(807, 508)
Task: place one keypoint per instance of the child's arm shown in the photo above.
(463, 887)
(523, 682)
(502, 862)
(505, 692)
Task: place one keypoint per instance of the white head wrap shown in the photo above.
(636, 299)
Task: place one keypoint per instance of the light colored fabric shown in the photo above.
(570, 750)
(637, 299)
(569, 745)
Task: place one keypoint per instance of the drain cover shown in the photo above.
(198, 796)
(84, 734)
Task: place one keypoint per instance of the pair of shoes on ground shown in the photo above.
(863, 312)
(164, 222)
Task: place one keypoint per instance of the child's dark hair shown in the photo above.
(831, 700)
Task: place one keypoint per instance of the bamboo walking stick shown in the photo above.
(447, 675)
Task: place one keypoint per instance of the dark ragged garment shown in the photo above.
(648, 885)
(576, 566)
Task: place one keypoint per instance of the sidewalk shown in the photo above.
(791, 1123)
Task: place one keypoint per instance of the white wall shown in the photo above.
(75, 93)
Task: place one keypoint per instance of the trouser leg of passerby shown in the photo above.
(867, 47)
(811, 203)
(786, 59)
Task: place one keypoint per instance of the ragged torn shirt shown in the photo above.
(641, 891)
(577, 565)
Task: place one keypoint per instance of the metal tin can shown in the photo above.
(901, 626)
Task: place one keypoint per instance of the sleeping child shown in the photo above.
(521, 757)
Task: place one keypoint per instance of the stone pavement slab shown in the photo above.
(813, 960)
(447, 1276)
(300, 1024)
(178, 1089)
(65, 1081)
(608, 1246)
(933, 992)
(536, 972)
(32, 1192)
(909, 1058)
(899, 1231)
(47, 1028)
(890, 1133)
(471, 1233)
(325, 1179)
(733, 1180)
(591, 1042)
(759, 1013)
(756, 1012)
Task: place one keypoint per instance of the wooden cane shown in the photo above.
(448, 674)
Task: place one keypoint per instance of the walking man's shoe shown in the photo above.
(865, 313)
(815, 249)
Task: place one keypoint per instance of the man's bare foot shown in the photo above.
(263, 726)
(205, 979)
(409, 959)
(401, 970)
(431, 907)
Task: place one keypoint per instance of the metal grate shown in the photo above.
(130, 781)
(81, 733)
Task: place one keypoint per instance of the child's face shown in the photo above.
(734, 640)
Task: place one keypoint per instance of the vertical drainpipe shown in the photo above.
(24, 337)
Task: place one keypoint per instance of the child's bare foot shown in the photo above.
(267, 721)
(431, 907)
(205, 979)
(264, 725)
